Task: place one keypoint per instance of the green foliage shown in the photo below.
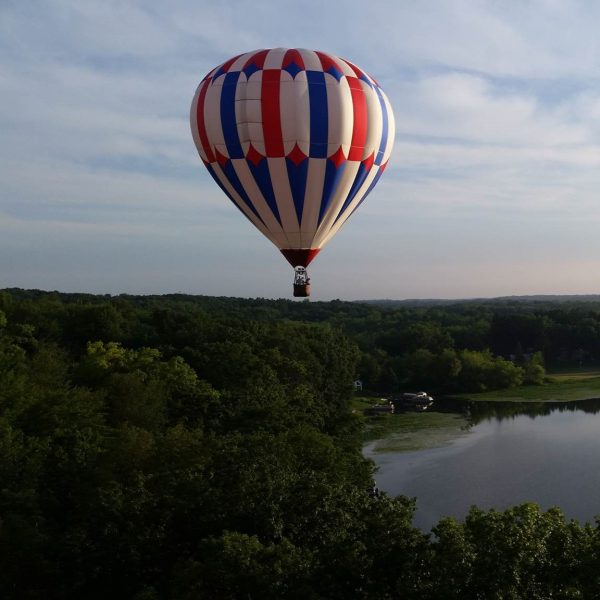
(465, 370)
(179, 447)
(520, 553)
(234, 561)
(535, 373)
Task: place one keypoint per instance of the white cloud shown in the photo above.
(498, 128)
(469, 108)
(533, 39)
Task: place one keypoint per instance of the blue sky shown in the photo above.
(492, 189)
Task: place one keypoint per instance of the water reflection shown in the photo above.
(477, 412)
(547, 453)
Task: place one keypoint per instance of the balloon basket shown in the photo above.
(301, 283)
(302, 290)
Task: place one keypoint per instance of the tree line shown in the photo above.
(182, 447)
(448, 348)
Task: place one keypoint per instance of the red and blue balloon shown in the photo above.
(296, 139)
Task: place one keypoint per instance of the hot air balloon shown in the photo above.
(296, 139)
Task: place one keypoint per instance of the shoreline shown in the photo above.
(554, 390)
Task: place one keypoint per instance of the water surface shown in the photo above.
(549, 454)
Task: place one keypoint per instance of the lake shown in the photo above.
(548, 453)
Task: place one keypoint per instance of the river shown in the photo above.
(509, 453)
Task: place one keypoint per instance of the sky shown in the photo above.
(493, 187)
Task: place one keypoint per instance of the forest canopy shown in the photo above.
(195, 447)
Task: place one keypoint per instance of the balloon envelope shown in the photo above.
(296, 139)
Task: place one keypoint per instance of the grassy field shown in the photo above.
(573, 374)
(360, 403)
(561, 386)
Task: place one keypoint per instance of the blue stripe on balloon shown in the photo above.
(333, 175)
(262, 176)
(373, 184)
(317, 95)
(359, 179)
(297, 175)
(364, 78)
(219, 183)
(384, 130)
(228, 119)
(224, 189)
(229, 172)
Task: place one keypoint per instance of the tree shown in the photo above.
(534, 372)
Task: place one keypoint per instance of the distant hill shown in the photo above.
(502, 302)
(540, 298)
